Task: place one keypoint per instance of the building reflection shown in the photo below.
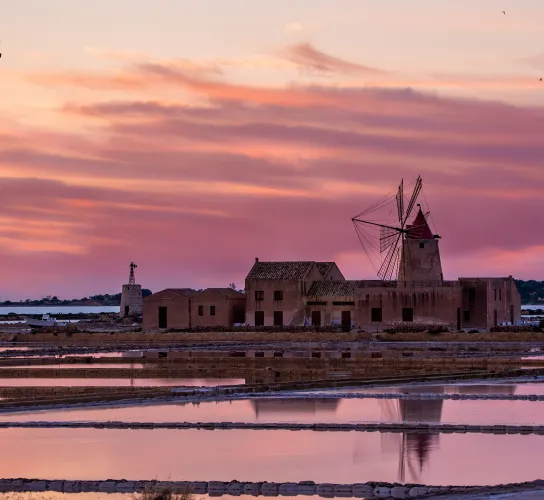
(414, 448)
(308, 406)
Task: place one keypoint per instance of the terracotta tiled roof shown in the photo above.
(420, 229)
(226, 292)
(293, 270)
(324, 267)
(326, 288)
(188, 292)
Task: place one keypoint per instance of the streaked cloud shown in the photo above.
(177, 165)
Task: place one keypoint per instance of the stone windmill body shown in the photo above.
(131, 296)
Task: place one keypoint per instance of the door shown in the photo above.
(495, 321)
(259, 318)
(512, 315)
(458, 318)
(346, 321)
(127, 309)
(163, 317)
(316, 318)
(278, 318)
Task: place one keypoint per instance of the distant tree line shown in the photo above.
(531, 291)
(100, 299)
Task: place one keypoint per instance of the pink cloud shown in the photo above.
(194, 192)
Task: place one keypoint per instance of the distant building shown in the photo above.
(131, 296)
(311, 293)
(183, 308)
(275, 291)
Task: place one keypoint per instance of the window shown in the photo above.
(466, 316)
(376, 314)
(278, 318)
(500, 293)
(259, 294)
(201, 310)
(212, 310)
(422, 245)
(407, 314)
(316, 303)
(278, 295)
(495, 293)
(343, 303)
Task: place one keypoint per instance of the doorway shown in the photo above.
(458, 318)
(495, 320)
(127, 310)
(316, 318)
(278, 318)
(346, 321)
(163, 317)
(259, 318)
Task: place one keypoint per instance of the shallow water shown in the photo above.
(270, 456)
(473, 387)
(116, 382)
(325, 410)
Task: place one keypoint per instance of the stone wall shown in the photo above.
(368, 490)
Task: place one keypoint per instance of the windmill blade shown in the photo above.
(388, 266)
(400, 200)
(411, 204)
(387, 238)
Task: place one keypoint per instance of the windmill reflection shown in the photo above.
(413, 448)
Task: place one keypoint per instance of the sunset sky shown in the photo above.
(193, 136)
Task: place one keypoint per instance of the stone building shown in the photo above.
(218, 307)
(313, 293)
(131, 296)
(183, 308)
(170, 308)
(275, 290)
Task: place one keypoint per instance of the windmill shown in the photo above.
(132, 279)
(391, 256)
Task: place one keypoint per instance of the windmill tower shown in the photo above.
(131, 296)
(406, 252)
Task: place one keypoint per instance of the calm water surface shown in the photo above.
(270, 456)
(525, 387)
(307, 410)
(116, 382)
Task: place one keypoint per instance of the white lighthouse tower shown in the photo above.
(131, 297)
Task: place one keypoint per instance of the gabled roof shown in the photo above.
(187, 292)
(290, 270)
(324, 267)
(327, 288)
(228, 293)
(420, 229)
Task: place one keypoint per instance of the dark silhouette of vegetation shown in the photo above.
(96, 300)
(531, 291)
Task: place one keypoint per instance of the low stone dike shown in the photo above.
(412, 427)
(369, 490)
(418, 396)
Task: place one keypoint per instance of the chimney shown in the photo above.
(256, 260)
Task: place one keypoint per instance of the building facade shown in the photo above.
(275, 291)
(184, 308)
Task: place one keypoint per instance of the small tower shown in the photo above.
(131, 297)
(420, 257)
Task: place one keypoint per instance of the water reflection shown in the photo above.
(313, 406)
(413, 448)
